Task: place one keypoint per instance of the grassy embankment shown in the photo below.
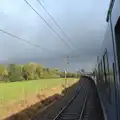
(13, 94)
(17, 90)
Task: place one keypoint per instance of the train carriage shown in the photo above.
(108, 64)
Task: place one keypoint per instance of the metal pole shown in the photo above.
(65, 79)
(66, 62)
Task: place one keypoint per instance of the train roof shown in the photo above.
(110, 9)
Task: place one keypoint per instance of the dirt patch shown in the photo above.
(33, 104)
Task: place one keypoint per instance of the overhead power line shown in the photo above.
(55, 22)
(21, 39)
(48, 25)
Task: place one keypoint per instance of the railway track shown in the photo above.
(74, 110)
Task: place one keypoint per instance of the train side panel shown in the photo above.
(108, 65)
(106, 75)
(115, 24)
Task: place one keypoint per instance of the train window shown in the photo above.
(106, 67)
(106, 76)
(117, 36)
(99, 71)
(103, 71)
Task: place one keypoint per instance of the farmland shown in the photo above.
(18, 90)
(13, 94)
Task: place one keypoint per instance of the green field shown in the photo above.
(17, 90)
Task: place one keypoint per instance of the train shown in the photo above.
(107, 67)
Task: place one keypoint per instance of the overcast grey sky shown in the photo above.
(82, 20)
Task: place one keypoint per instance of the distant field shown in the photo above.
(15, 91)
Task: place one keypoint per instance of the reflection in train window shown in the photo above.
(99, 72)
(117, 36)
(106, 75)
(106, 68)
(103, 71)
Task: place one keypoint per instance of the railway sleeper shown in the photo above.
(70, 118)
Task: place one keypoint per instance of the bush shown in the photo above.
(14, 73)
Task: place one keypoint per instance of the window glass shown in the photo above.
(99, 71)
(106, 67)
(106, 75)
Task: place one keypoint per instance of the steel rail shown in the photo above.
(66, 106)
(83, 108)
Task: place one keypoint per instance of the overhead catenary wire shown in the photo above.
(24, 40)
(55, 22)
(49, 25)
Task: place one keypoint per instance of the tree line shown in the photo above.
(30, 71)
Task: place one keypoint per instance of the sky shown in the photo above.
(82, 21)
